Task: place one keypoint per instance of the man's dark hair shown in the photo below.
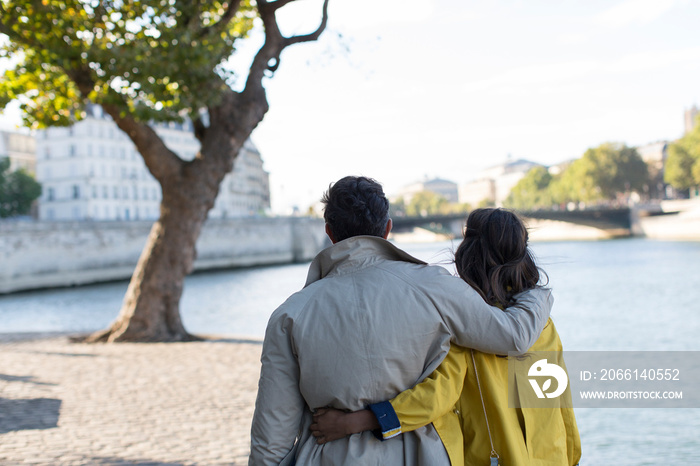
(355, 206)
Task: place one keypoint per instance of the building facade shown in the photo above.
(445, 188)
(92, 171)
(20, 148)
(690, 118)
(493, 185)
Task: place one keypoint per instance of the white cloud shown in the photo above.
(370, 13)
(638, 12)
(655, 60)
(535, 74)
(556, 77)
(572, 39)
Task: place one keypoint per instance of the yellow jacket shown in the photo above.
(449, 398)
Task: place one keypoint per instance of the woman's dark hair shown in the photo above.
(355, 206)
(494, 258)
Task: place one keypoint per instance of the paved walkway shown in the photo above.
(65, 403)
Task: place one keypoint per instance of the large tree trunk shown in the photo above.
(151, 308)
(150, 311)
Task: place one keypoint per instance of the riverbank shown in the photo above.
(158, 404)
(59, 254)
(675, 220)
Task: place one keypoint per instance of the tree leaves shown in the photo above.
(18, 190)
(682, 168)
(160, 60)
(600, 174)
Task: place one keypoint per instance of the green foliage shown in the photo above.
(682, 168)
(610, 169)
(426, 203)
(600, 174)
(397, 208)
(532, 191)
(159, 60)
(18, 190)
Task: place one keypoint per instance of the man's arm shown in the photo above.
(428, 400)
(413, 408)
(279, 407)
(475, 324)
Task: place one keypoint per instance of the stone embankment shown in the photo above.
(50, 254)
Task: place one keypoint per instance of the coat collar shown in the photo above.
(354, 253)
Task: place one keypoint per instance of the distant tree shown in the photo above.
(682, 167)
(150, 61)
(600, 174)
(615, 168)
(18, 190)
(397, 208)
(532, 191)
(427, 203)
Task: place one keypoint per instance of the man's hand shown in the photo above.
(332, 424)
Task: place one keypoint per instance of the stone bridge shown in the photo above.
(617, 220)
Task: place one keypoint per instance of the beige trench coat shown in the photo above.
(371, 322)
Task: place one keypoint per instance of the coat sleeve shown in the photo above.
(279, 407)
(475, 324)
(427, 401)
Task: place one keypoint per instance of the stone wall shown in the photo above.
(49, 254)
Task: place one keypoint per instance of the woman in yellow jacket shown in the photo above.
(467, 397)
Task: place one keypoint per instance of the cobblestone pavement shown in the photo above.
(64, 403)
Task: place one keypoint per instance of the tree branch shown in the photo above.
(279, 4)
(268, 57)
(228, 15)
(199, 129)
(314, 35)
(164, 164)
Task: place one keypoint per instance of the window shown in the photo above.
(71, 150)
(116, 192)
(76, 192)
(94, 193)
(105, 192)
(50, 194)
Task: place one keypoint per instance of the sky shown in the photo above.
(400, 90)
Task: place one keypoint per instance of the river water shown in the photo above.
(622, 295)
